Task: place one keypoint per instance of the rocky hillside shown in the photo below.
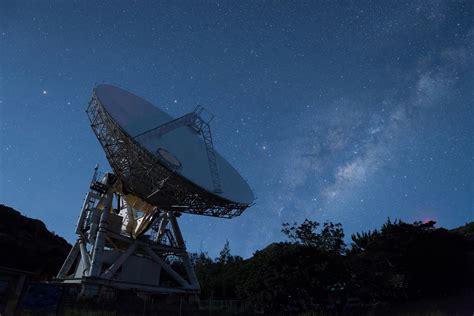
(27, 244)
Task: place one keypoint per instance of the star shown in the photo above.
(337, 149)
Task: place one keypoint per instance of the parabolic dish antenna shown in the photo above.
(162, 167)
(168, 163)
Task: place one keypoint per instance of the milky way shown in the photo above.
(350, 112)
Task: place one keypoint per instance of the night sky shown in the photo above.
(347, 111)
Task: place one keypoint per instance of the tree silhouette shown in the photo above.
(330, 239)
(314, 271)
(408, 261)
(224, 254)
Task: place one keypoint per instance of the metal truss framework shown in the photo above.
(195, 121)
(145, 175)
(106, 256)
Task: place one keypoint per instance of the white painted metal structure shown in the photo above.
(162, 167)
(106, 254)
(139, 118)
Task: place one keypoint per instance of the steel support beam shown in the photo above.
(114, 267)
(112, 258)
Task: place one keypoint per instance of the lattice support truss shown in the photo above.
(144, 174)
(106, 255)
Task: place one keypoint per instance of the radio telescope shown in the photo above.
(128, 234)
